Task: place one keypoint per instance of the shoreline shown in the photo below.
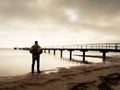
(86, 77)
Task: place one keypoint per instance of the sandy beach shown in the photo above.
(105, 76)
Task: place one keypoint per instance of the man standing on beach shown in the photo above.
(35, 50)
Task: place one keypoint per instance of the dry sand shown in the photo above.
(87, 77)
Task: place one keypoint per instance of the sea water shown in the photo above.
(18, 62)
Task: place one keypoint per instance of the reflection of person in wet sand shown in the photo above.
(35, 50)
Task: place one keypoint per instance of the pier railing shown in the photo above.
(102, 47)
(113, 46)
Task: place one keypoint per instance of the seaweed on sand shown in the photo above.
(83, 85)
(107, 81)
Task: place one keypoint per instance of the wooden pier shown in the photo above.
(101, 47)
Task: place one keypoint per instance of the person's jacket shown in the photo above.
(36, 50)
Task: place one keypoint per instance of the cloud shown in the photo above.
(99, 16)
(89, 9)
(96, 10)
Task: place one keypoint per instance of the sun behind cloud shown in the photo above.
(72, 15)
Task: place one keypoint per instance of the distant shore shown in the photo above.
(88, 77)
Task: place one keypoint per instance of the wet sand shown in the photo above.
(104, 76)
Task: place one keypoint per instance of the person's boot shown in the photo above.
(32, 71)
(38, 71)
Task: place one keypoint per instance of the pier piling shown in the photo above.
(70, 54)
(104, 54)
(54, 52)
(48, 51)
(44, 51)
(61, 53)
(84, 50)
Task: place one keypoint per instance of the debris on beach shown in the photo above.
(108, 81)
(83, 85)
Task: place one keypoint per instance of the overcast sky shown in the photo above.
(54, 22)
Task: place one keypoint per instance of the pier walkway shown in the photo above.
(101, 47)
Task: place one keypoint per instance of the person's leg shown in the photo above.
(33, 64)
(38, 65)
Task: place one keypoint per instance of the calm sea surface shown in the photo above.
(18, 62)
